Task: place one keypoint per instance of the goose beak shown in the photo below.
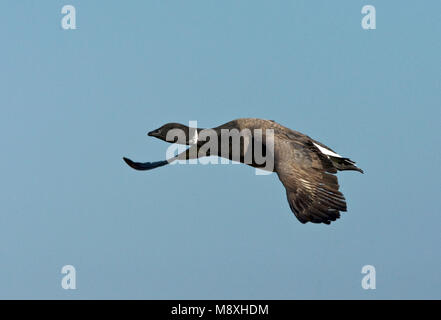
(153, 133)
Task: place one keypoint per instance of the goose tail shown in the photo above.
(343, 164)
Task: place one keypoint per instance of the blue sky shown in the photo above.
(74, 102)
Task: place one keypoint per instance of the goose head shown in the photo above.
(172, 132)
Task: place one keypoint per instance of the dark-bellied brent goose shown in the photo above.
(305, 166)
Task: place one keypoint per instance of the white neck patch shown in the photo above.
(194, 138)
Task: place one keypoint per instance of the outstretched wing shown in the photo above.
(190, 153)
(144, 165)
(311, 186)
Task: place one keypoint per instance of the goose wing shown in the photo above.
(309, 180)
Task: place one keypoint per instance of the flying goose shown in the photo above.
(305, 166)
